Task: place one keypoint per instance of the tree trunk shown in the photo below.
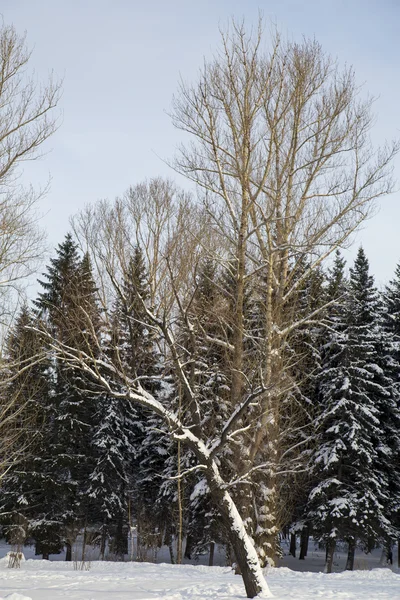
(389, 553)
(180, 506)
(330, 551)
(120, 540)
(266, 498)
(188, 547)
(211, 557)
(171, 552)
(103, 542)
(68, 554)
(350, 555)
(241, 543)
(292, 549)
(304, 537)
(45, 555)
(398, 553)
(83, 557)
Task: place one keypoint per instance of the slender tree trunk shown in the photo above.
(68, 553)
(121, 539)
(389, 553)
(292, 549)
(243, 495)
(350, 555)
(188, 547)
(398, 553)
(330, 551)
(180, 511)
(84, 545)
(131, 529)
(245, 553)
(171, 551)
(103, 543)
(304, 537)
(211, 557)
(267, 529)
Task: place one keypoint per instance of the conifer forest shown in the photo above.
(200, 366)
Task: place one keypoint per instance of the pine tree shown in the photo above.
(348, 500)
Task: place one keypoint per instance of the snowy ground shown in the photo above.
(43, 580)
(47, 580)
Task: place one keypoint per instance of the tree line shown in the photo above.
(89, 461)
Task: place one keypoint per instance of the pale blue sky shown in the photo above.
(121, 61)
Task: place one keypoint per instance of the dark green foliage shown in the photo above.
(29, 502)
(69, 308)
(350, 495)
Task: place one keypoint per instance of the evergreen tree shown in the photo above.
(123, 481)
(390, 352)
(68, 306)
(348, 500)
(208, 372)
(29, 489)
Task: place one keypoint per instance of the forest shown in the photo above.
(200, 365)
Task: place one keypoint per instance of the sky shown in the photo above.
(121, 61)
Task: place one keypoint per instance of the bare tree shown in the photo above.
(280, 148)
(27, 120)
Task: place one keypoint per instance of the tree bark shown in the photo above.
(241, 543)
(292, 549)
(389, 553)
(211, 557)
(304, 544)
(103, 543)
(350, 555)
(330, 551)
(188, 547)
(68, 554)
(120, 540)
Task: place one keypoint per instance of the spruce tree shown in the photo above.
(391, 354)
(69, 308)
(348, 499)
(208, 372)
(124, 482)
(29, 489)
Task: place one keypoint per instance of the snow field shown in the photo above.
(44, 580)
